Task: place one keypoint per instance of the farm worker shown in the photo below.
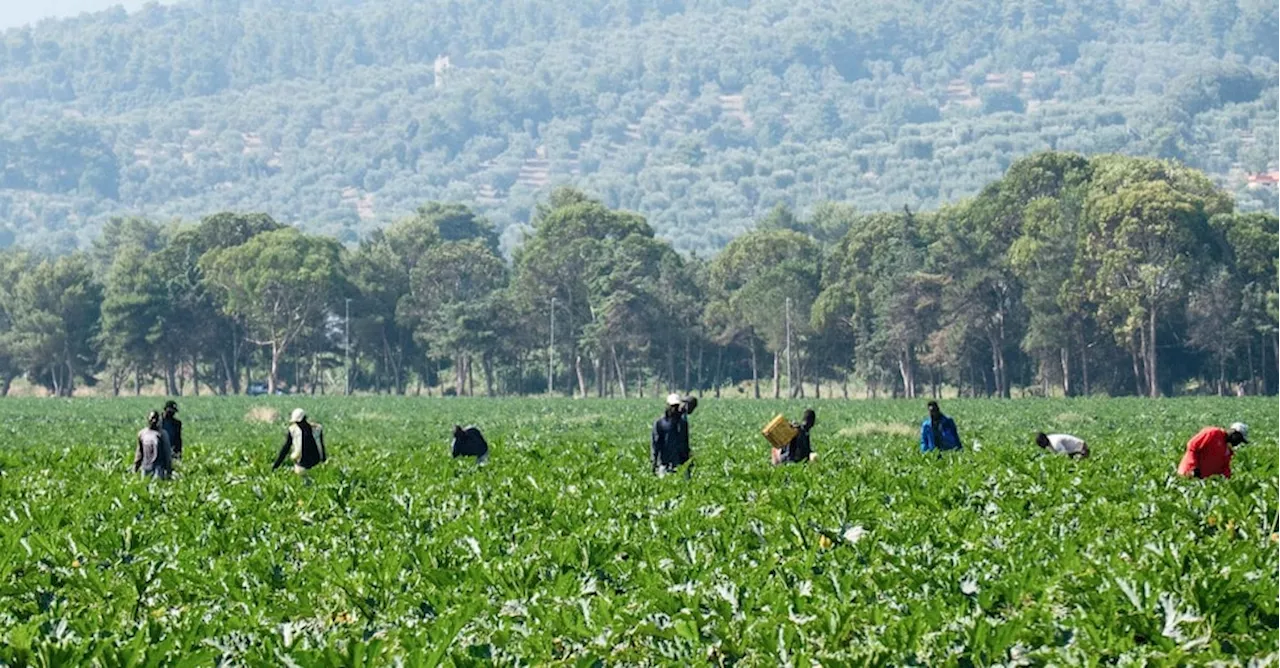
(153, 456)
(469, 442)
(303, 443)
(1064, 444)
(670, 443)
(938, 432)
(172, 427)
(1209, 452)
(798, 450)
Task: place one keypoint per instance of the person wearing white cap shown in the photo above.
(303, 443)
(669, 447)
(1209, 452)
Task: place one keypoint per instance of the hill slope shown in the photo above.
(701, 114)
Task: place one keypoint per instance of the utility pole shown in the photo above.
(551, 349)
(346, 346)
(790, 381)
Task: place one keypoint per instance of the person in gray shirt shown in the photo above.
(154, 456)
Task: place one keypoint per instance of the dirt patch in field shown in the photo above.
(877, 429)
(262, 414)
(1072, 418)
(371, 416)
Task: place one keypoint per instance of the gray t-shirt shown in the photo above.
(154, 455)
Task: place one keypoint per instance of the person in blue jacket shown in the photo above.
(938, 431)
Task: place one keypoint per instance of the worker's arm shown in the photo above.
(137, 457)
(955, 431)
(324, 454)
(166, 451)
(653, 448)
(926, 443)
(1190, 464)
(284, 450)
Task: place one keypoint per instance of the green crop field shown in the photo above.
(564, 550)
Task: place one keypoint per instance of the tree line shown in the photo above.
(1069, 275)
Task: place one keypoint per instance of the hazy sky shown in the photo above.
(21, 12)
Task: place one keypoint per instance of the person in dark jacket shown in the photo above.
(172, 427)
(669, 448)
(470, 442)
(153, 456)
(938, 432)
(303, 443)
(799, 449)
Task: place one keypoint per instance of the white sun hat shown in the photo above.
(298, 415)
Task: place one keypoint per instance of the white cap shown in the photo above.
(1240, 428)
(298, 415)
(673, 399)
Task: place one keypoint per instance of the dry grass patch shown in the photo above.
(262, 414)
(877, 429)
(1072, 418)
(372, 416)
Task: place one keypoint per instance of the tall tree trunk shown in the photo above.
(6, 383)
(1138, 375)
(1084, 367)
(1153, 369)
(597, 367)
(777, 380)
(459, 377)
(617, 367)
(997, 365)
(688, 363)
(755, 372)
(487, 363)
(582, 380)
(701, 369)
(906, 370)
(671, 370)
(1065, 356)
(719, 377)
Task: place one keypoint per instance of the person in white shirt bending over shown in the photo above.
(1064, 444)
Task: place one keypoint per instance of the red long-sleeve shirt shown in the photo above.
(1208, 454)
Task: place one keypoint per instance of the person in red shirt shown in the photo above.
(1209, 452)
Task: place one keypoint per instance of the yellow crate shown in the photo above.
(779, 432)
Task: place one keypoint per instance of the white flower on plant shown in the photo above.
(854, 534)
(968, 586)
(683, 588)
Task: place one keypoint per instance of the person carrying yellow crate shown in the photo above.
(791, 445)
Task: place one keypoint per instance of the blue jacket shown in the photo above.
(950, 436)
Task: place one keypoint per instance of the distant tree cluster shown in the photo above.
(1070, 275)
(342, 115)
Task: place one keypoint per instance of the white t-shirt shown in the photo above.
(1066, 444)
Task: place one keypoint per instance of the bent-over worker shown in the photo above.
(1209, 452)
(469, 442)
(1063, 444)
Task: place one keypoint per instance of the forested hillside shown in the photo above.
(702, 115)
